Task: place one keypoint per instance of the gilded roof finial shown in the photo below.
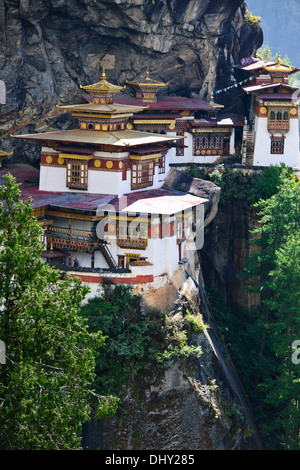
(268, 53)
(147, 73)
(278, 58)
(103, 76)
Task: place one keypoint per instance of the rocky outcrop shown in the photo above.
(49, 47)
(195, 405)
(226, 250)
(181, 181)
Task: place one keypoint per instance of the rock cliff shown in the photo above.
(198, 404)
(49, 47)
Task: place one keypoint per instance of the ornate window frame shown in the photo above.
(209, 143)
(278, 119)
(142, 174)
(277, 145)
(77, 174)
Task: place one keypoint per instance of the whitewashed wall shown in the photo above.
(262, 146)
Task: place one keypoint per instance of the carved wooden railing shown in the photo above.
(138, 243)
(79, 240)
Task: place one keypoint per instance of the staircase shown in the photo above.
(107, 255)
(249, 146)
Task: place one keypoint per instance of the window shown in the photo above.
(279, 119)
(180, 145)
(285, 116)
(161, 165)
(277, 145)
(142, 174)
(132, 234)
(207, 144)
(77, 174)
(180, 229)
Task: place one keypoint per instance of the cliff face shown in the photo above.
(195, 405)
(225, 251)
(49, 47)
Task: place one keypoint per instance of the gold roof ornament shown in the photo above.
(5, 154)
(147, 88)
(103, 89)
(278, 67)
(147, 82)
(213, 104)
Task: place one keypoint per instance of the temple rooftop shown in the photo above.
(28, 178)
(152, 201)
(126, 138)
(156, 201)
(169, 103)
(114, 108)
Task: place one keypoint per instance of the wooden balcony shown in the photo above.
(72, 240)
(137, 244)
(279, 126)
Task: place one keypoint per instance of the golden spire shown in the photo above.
(212, 103)
(103, 89)
(278, 59)
(268, 53)
(103, 76)
(279, 67)
(147, 81)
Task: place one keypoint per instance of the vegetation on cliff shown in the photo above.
(46, 384)
(135, 341)
(261, 339)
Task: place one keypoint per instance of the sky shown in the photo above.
(280, 21)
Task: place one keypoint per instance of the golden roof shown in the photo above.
(147, 82)
(103, 87)
(5, 154)
(126, 138)
(213, 104)
(279, 67)
(99, 108)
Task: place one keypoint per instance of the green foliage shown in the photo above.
(46, 384)
(236, 186)
(252, 21)
(135, 342)
(260, 340)
(278, 218)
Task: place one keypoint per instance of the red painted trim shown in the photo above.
(126, 280)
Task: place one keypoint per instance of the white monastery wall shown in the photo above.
(262, 146)
(85, 259)
(52, 179)
(99, 260)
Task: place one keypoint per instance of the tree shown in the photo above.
(46, 384)
(278, 218)
(284, 330)
(274, 270)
